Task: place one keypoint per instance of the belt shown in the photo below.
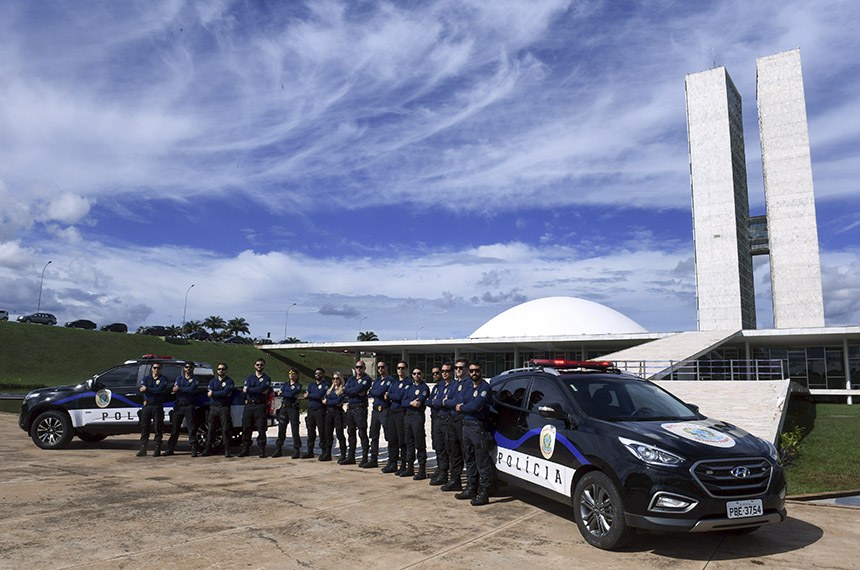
(396, 410)
(253, 403)
(181, 403)
(470, 422)
(356, 406)
(411, 411)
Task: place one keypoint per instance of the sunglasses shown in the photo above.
(416, 374)
(156, 367)
(446, 370)
(221, 369)
(459, 367)
(401, 368)
(474, 370)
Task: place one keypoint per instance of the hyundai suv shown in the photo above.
(626, 454)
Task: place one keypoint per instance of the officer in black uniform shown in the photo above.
(183, 409)
(153, 387)
(356, 391)
(455, 425)
(475, 407)
(413, 402)
(315, 420)
(256, 390)
(439, 422)
(220, 397)
(397, 443)
(379, 415)
(289, 414)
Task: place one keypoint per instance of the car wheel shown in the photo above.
(599, 512)
(217, 440)
(52, 430)
(91, 437)
(28, 321)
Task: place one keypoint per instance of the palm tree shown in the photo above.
(192, 326)
(173, 330)
(291, 340)
(366, 335)
(215, 323)
(238, 326)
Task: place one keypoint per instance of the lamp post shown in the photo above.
(41, 281)
(185, 308)
(287, 316)
(418, 331)
(359, 324)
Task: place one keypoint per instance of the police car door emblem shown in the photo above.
(103, 398)
(547, 441)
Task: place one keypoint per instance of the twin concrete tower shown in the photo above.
(725, 235)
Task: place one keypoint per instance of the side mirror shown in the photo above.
(92, 383)
(693, 408)
(552, 411)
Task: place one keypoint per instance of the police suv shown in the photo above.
(109, 402)
(627, 454)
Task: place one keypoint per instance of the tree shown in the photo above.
(367, 335)
(215, 323)
(291, 340)
(173, 330)
(238, 326)
(192, 326)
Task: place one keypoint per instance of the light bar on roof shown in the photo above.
(561, 363)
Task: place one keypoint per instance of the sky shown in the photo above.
(412, 168)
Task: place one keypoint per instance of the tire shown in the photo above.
(52, 430)
(217, 439)
(599, 512)
(28, 321)
(90, 437)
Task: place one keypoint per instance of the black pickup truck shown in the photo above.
(109, 402)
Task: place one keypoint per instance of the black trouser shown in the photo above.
(454, 438)
(289, 414)
(438, 431)
(416, 440)
(151, 413)
(184, 411)
(334, 423)
(397, 443)
(254, 418)
(315, 422)
(378, 422)
(356, 420)
(220, 415)
(476, 452)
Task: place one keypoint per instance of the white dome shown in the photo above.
(557, 316)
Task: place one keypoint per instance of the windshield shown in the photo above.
(627, 399)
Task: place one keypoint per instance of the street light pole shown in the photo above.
(287, 316)
(41, 281)
(185, 308)
(418, 331)
(359, 324)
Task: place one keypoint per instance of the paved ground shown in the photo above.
(98, 506)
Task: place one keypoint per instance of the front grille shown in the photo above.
(716, 478)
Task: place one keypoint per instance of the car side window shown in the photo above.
(121, 376)
(546, 393)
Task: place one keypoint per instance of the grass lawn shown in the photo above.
(830, 454)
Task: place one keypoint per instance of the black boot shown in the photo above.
(142, 451)
(309, 454)
(467, 493)
(350, 458)
(194, 452)
(157, 452)
(371, 464)
(246, 451)
(326, 454)
(342, 458)
(481, 498)
(297, 453)
(278, 452)
(390, 467)
(262, 451)
(440, 478)
(207, 450)
(452, 485)
(422, 473)
(408, 471)
(169, 451)
(401, 469)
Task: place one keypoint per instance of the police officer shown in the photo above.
(379, 415)
(289, 414)
(397, 443)
(183, 409)
(413, 403)
(356, 391)
(454, 430)
(315, 420)
(153, 387)
(256, 391)
(475, 407)
(439, 422)
(220, 394)
(334, 399)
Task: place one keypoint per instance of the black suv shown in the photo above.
(109, 402)
(627, 454)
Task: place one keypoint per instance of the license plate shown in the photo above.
(743, 509)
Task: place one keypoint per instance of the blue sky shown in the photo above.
(412, 168)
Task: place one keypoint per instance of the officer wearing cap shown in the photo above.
(475, 407)
(153, 387)
(220, 394)
(288, 414)
(413, 403)
(256, 391)
(315, 420)
(379, 415)
(356, 391)
(183, 409)
(439, 422)
(397, 443)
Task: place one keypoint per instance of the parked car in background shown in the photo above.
(200, 335)
(81, 324)
(238, 340)
(4, 315)
(115, 327)
(40, 318)
(156, 330)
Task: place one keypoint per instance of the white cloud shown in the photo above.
(68, 208)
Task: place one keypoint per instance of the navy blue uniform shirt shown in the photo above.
(476, 401)
(222, 390)
(154, 393)
(395, 391)
(316, 392)
(258, 388)
(290, 392)
(418, 392)
(356, 389)
(186, 389)
(378, 390)
(332, 400)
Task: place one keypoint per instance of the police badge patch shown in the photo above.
(547, 441)
(103, 398)
(417, 391)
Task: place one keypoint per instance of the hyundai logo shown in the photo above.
(740, 472)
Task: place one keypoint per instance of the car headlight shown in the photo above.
(772, 451)
(651, 454)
